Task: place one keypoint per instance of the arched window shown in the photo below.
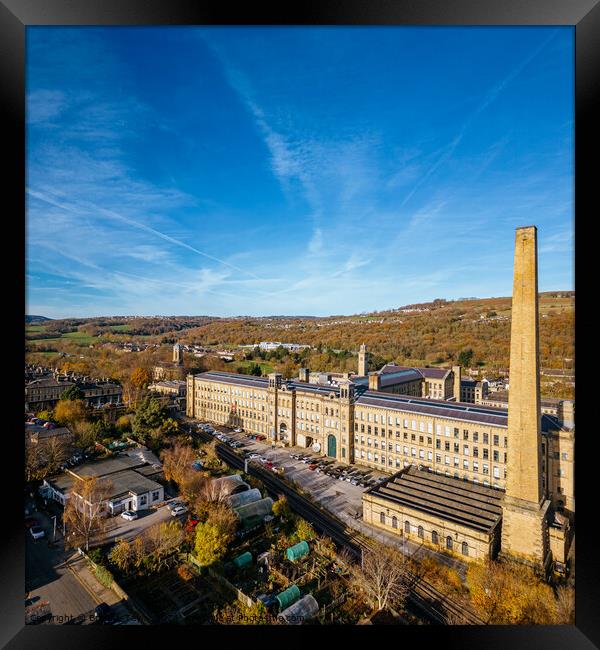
(394, 522)
(465, 548)
(407, 526)
(434, 537)
(382, 517)
(421, 532)
(449, 542)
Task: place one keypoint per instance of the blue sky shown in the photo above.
(259, 171)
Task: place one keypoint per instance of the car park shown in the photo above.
(130, 515)
(37, 532)
(178, 510)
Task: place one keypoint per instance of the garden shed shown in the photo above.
(288, 597)
(243, 560)
(297, 551)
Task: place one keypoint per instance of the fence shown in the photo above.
(240, 595)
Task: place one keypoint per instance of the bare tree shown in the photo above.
(382, 576)
(55, 453)
(85, 511)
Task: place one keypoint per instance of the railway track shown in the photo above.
(424, 597)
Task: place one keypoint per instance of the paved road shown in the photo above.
(47, 577)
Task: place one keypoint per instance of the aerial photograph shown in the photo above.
(299, 329)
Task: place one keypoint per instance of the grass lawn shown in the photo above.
(34, 329)
(80, 337)
(266, 368)
(120, 328)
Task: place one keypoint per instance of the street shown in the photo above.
(47, 577)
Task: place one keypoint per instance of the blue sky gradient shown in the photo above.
(311, 171)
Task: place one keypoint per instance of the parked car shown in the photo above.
(174, 504)
(254, 456)
(102, 613)
(178, 510)
(238, 430)
(31, 521)
(261, 437)
(278, 470)
(37, 532)
(312, 467)
(130, 515)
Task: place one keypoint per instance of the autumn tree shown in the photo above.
(140, 377)
(86, 434)
(382, 576)
(214, 535)
(123, 424)
(67, 412)
(281, 508)
(239, 613)
(34, 462)
(85, 512)
(304, 531)
(121, 556)
(176, 461)
(150, 551)
(508, 593)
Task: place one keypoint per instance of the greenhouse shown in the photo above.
(226, 485)
(243, 560)
(243, 498)
(302, 610)
(287, 597)
(297, 551)
(257, 508)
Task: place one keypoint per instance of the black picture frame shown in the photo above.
(16, 15)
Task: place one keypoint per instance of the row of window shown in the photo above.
(421, 533)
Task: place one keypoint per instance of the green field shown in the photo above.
(120, 328)
(34, 329)
(265, 367)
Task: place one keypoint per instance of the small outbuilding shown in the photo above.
(287, 597)
(297, 551)
(301, 611)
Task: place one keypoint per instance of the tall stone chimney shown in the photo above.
(363, 363)
(524, 528)
(457, 370)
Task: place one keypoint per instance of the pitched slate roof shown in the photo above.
(473, 506)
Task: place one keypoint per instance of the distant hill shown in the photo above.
(35, 319)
